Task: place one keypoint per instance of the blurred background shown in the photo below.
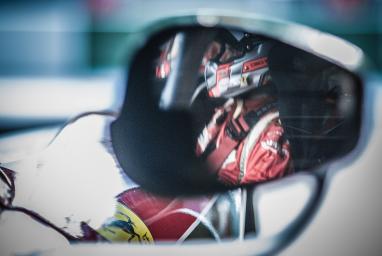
(62, 58)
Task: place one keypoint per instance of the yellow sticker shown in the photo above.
(125, 226)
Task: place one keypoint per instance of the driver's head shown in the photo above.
(235, 64)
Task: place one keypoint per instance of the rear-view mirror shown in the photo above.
(212, 108)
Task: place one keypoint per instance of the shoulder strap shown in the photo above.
(235, 131)
(253, 138)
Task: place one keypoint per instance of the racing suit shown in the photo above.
(244, 142)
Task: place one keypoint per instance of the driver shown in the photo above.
(244, 141)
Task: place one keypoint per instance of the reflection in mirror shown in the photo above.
(261, 109)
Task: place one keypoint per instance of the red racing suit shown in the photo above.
(244, 142)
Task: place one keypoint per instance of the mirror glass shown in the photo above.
(235, 107)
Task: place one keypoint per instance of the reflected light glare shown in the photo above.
(167, 96)
(279, 206)
(336, 49)
(54, 97)
(27, 235)
(19, 145)
(82, 177)
(207, 20)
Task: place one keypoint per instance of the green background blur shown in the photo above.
(357, 21)
(66, 37)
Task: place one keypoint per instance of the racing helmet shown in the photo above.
(240, 65)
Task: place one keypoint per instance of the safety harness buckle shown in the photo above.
(237, 129)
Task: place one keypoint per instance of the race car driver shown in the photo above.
(244, 141)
